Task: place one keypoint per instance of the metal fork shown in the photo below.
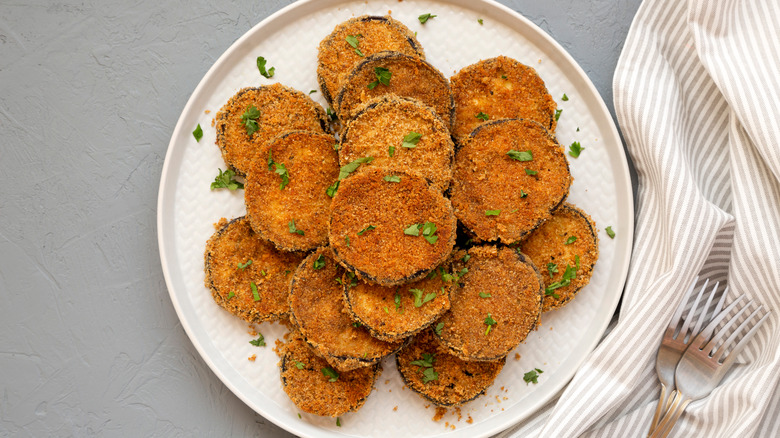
(704, 364)
(677, 337)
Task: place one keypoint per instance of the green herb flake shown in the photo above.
(254, 291)
(352, 40)
(366, 229)
(281, 170)
(485, 295)
(569, 274)
(419, 299)
(609, 231)
(530, 172)
(571, 240)
(383, 76)
(397, 300)
(552, 268)
(479, 20)
(520, 155)
(425, 362)
(466, 257)
(293, 229)
(261, 67)
(558, 114)
(425, 17)
(429, 374)
(482, 116)
(353, 166)
(319, 263)
(428, 231)
(331, 115)
(226, 180)
(411, 139)
(438, 328)
(490, 323)
(492, 212)
(249, 119)
(299, 365)
(299, 415)
(231, 294)
(338, 421)
(413, 230)
(312, 91)
(575, 149)
(387, 310)
(198, 133)
(391, 150)
(565, 97)
(532, 376)
(244, 265)
(259, 342)
(336, 146)
(331, 191)
(330, 373)
(523, 194)
(357, 324)
(393, 178)
(346, 240)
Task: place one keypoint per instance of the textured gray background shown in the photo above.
(90, 92)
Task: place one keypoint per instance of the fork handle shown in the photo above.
(666, 425)
(663, 405)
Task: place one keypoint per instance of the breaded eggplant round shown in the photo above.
(390, 227)
(353, 40)
(429, 369)
(499, 88)
(255, 115)
(565, 248)
(497, 302)
(317, 309)
(401, 134)
(247, 275)
(286, 189)
(508, 177)
(318, 389)
(395, 313)
(395, 73)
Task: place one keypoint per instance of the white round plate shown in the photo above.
(187, 210)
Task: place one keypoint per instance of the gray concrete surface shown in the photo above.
(90, 92)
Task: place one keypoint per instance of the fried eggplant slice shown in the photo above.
(499, 88)
(401, 134)
(429, 369)
(353, 40)
(317, 310)
(395, 313)
(286, 193)
(390, 227)
(565, 248)
(315, 387)
(497, 302)
(247, 275)
(508, 177)
(395, 73)
(255, 115)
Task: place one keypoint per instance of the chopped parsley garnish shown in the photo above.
(428, 231)
(520, 155)
(466, 257)
(485, 295)
(532, 376)
(255, 295)
(383, 76)
(244, 265)
(319, 263)
(259, 342)
(312, 91)
(366, 229)
(552, 268)
(331, 115)
(281, 170)
(425, 17)
(351, 167)
(419, 300)
(523, 194)
(299, 365)
(391, 150)
(330, 373)
(558, 114)
(249, 119)
(352, 40)
(530, 172)
(575, 149)
(346, 240)
(426, 365)
(198, 133)
(565, 97)
(492, 212)
(226, 180)
(336, 146)
(438, 328)
(569, 274)
(609, 231)
(293, 230)
(338, 421)
(397, 300)
(479, 20)
(411, 139)
(463, 272)
(331, 191)
(357, 324)
(393, 178)
(413, 230)
(482, 116)
(571, 240)
(490, 323)
(231, 294)
(261, 66)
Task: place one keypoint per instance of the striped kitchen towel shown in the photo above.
(697, 96)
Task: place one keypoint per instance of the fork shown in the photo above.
(704, 363)
(676, 339)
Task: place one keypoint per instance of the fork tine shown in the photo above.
(742, 342)
(703, 316)
(692, 313)
(721, 301)
(710, 347)
(706, 334)
(681, 306)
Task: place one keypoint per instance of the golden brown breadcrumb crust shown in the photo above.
(548, 249)
(236, 244)
(379, 129)
(309, 163)
(313, 391)
(498, 198)
(397, 312)
(280, 108)
(369, 216)
(457, 381)
(410, 77)
(317, 310)
(501, 286)
(500, 88)
(337, 57)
